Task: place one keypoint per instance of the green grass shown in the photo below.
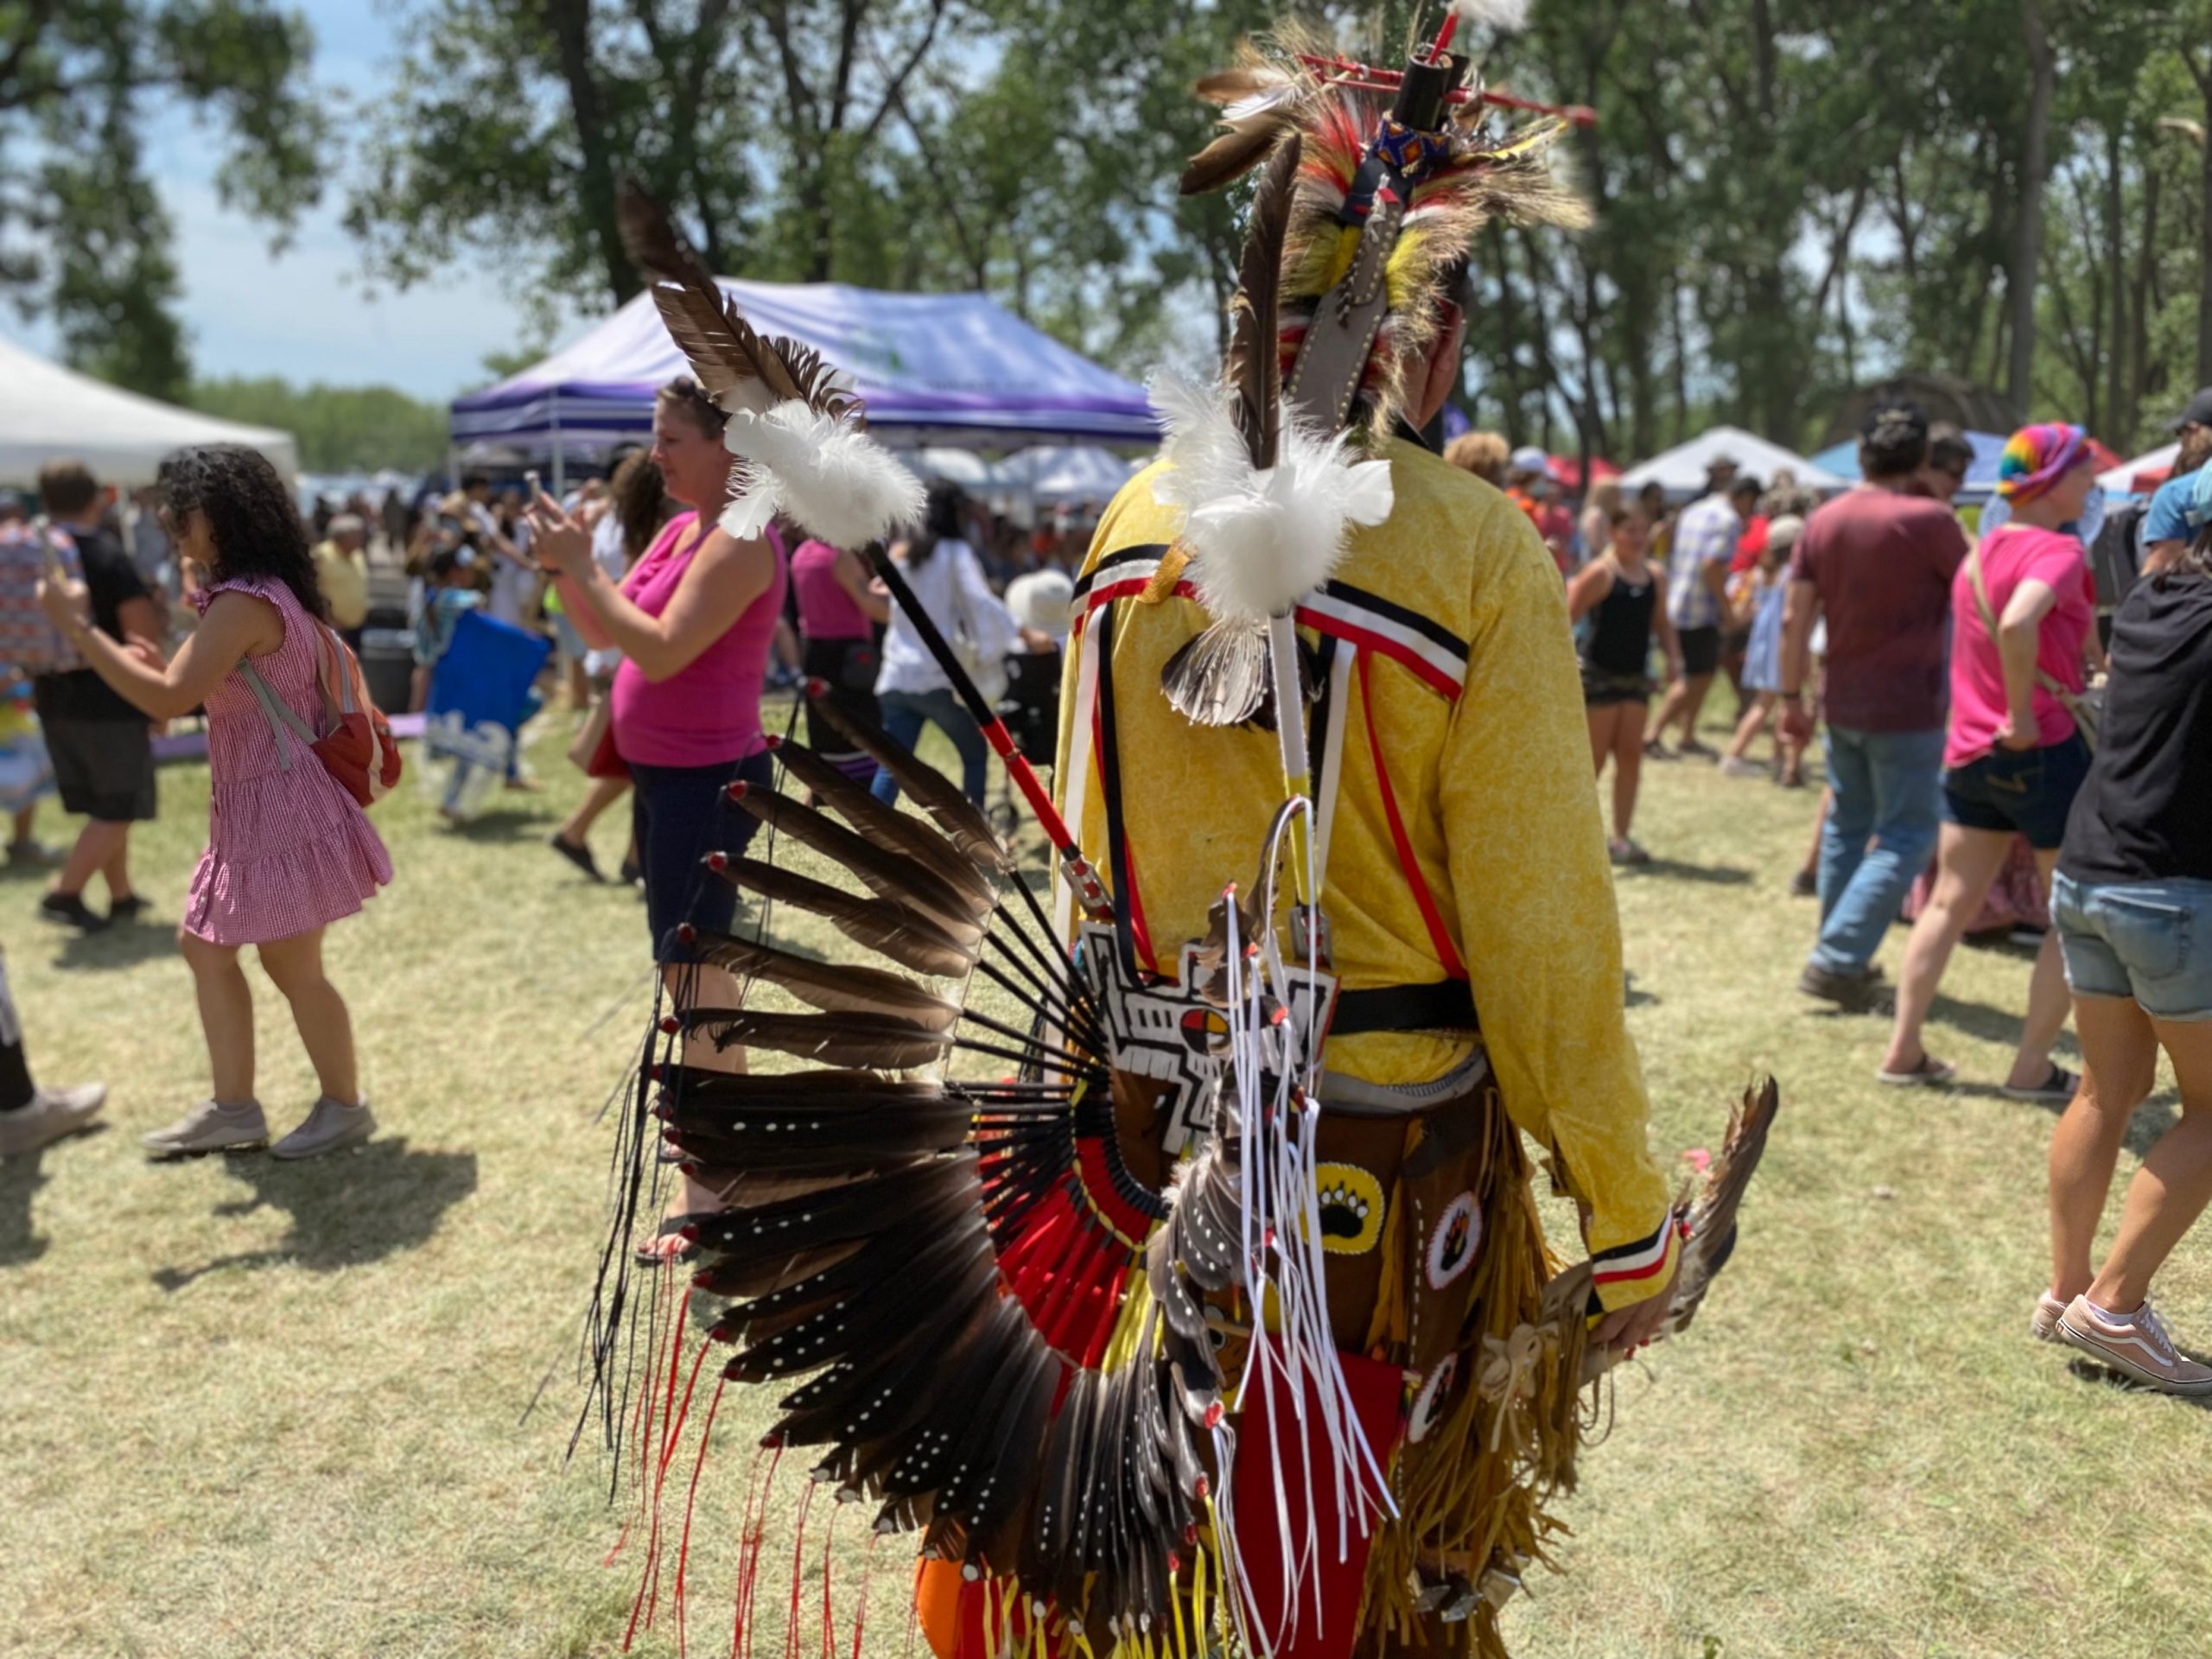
(254, 1409)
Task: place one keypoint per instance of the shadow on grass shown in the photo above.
(1719, 875)
(347, 1210)
(121, 945)
(20, 1180)
(502, 823)
(2088, 1371)
(1999, 1026)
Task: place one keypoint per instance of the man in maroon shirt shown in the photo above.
(1877, 563)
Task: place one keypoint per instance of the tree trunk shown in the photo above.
(2119, 421)
(2140, 346)
(570, 23)
(2027, 251)
(2204, 238)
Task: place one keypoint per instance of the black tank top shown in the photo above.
(1620, 628)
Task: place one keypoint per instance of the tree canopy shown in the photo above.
(85, 238)
(341, 428)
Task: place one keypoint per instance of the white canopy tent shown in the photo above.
(49, 413)
(1682, 471)
(2131, 477)
(1084, 473)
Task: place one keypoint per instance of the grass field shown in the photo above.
(253, 1410)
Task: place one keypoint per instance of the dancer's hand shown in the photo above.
(559, 539)
(1627, 1329)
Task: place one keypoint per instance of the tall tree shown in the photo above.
(84, 236)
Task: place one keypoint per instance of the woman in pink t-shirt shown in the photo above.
(694, 619)
(2023, 623)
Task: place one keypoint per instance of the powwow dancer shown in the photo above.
(1219, 1319)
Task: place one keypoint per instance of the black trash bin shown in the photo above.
(388, 665)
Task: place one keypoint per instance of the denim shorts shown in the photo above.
(2149, 940)
(2026, 790)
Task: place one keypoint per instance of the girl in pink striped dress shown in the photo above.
(289, 849)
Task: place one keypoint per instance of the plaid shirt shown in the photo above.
(1708, 533)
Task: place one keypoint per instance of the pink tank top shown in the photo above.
(826, 611)
(709, 715)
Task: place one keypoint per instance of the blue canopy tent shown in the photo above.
(952, 369)
(1982, 472)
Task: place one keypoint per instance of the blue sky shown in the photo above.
(306, 315)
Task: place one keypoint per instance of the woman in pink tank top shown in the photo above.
(839, 611)
(694, 619)
(289, 849)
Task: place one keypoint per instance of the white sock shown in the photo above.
(2106, 1314)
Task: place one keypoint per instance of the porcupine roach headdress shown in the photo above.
(982, 1322)
(1394, 174)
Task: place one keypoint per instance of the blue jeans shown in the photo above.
(904, 714)
(1888, 790)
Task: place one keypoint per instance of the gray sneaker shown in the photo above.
(330, 1125)
(209, 1127)
(52, 1114)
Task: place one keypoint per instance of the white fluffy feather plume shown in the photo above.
(1509, 16)
(1259, 541)
(828, 475)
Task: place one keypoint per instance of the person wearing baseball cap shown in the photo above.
(1529, 486)
(2173, 519)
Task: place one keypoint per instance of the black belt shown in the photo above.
(1446, 1005)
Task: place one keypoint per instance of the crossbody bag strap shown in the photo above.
(281, 717)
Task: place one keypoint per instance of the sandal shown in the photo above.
(1626, 854)
(577, 854)
(1930, 1072)
(2054, 1091)
(668, 1247)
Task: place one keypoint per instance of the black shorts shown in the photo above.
(103, 768)
(1603, 690)
(1700, 651)
(680, 815)
(2027, 790)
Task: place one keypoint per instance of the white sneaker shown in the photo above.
(329, 1126)
(2137, 1346)
(209, 1127)
(52, 1114)
(1734, 766)
(2042, 1325)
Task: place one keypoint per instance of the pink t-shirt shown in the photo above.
(708, 714)
(826, 611)
(2010, 555)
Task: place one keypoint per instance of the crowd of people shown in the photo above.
(1954, 683)
(1959, 687)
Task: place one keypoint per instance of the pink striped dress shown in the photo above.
(287, 848)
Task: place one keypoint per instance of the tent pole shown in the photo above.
(560, 460)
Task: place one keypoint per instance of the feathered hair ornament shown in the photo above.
(796, 426)
(1267, 502)
(1400, 170)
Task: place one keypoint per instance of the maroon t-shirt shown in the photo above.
(1882, 564)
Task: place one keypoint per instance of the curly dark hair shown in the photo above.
(250, 513)
(641, 503)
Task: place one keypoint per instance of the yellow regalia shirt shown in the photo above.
(1463, 679)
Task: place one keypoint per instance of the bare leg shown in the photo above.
(117, 870)
(326, 1029)
(1694, 694)
(2119, 1051)
(1754, 722)
(602, 794)
(2048, 1001)
(1628, 766)
(1604, 719)
(97, 846)
(25, 831)
(2173, 1187)
(1670, 707)
(1812, 865)
(711, 989)
(1967, 861)
(225, 1017)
